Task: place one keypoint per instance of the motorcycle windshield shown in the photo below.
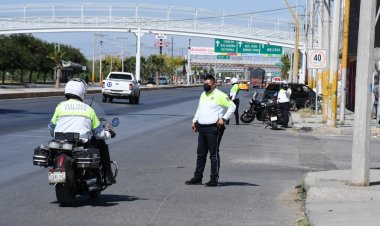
(102, 116)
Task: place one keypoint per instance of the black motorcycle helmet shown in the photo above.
(284, 86)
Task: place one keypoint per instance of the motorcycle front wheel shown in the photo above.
(247, 117)
(65, 192)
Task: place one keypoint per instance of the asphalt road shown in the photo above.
(156, 152)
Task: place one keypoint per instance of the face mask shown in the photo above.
(206, 87)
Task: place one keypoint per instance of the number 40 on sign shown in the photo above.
(317, 58)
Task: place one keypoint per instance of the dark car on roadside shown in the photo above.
(151, 81)
(300, 94)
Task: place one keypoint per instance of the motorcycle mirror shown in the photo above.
(115, 122)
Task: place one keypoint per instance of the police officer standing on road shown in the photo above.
(283, 98)
(209, 122)
(234, 96)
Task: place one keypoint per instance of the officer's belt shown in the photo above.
(207, 125)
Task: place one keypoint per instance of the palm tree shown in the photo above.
(57, 57)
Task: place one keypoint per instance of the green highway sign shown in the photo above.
(222, 57)
(225, 46)
(269, 49)
(230, 46)
(248, 47)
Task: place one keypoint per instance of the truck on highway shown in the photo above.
(256, 77)
(121, 85)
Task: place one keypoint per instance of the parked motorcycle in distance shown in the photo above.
(273, 115)
(75, 167)
(255, 110)
(310, 103)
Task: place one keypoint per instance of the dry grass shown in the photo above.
(306, 113)
(301, 192)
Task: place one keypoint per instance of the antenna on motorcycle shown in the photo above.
(92, 100)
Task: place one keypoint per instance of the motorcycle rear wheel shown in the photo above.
(66, 192)
(246, 117)
(274, 125)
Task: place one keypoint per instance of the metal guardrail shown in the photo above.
(59, 17)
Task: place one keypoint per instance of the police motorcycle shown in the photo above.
(75, 168)
(256, 109)
(272, 114)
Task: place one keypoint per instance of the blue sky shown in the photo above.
(84, 40)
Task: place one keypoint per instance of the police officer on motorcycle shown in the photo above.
(75, 116)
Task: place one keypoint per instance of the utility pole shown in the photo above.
(111, 62)
(326, 45)
(100, 60)
(160, 46)
(188, 63)
(122, 55)
(100, 57)
(346, 24)
(93, 61)
(362, 129)
(306, 46)
(310, 37)
(334, 57)
(139, 35)
(296, 54)
(122, 52)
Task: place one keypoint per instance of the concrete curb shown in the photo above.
(16, 93)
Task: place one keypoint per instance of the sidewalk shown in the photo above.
(331, 199)
(305, 122)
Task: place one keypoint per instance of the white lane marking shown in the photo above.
(24, 135)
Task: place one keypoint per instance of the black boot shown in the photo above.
(194, 181)
(212, 183)
(110, 179)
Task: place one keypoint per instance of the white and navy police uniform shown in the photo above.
(283, 98)
(213, 105)
(77, 117)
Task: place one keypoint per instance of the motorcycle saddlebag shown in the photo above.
(87, 158)
(41, 156)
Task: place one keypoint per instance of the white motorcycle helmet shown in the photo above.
(234, 80)
(76, 87)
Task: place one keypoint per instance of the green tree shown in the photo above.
(156, 64)
(285, 67)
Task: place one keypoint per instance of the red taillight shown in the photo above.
(103, 84)
(130, 86)
(61, 161)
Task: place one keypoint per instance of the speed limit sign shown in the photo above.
(317, 59)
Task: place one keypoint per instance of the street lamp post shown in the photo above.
(188, 63)
(100, 63)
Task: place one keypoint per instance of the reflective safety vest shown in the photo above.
(212, 106)
(234, 93)
(77, 117)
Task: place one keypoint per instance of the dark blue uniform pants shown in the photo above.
(284, 107)
(208, 141)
